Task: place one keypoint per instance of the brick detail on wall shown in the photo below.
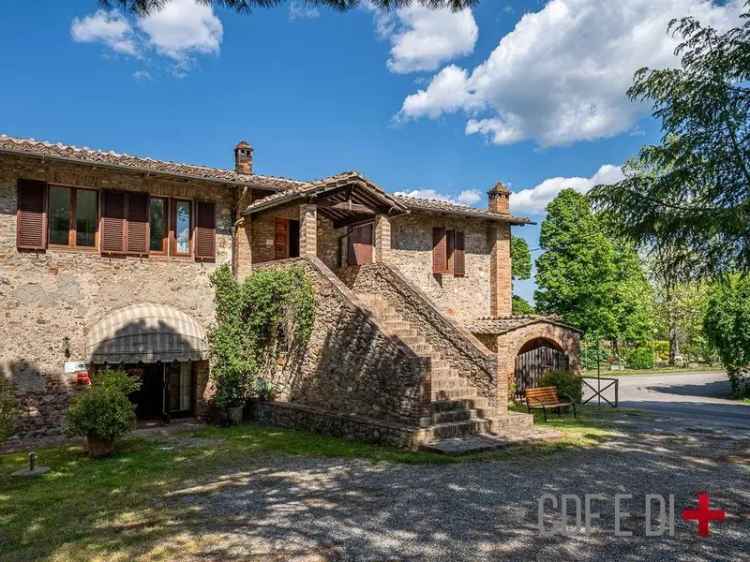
(308, 231)
(382, 239)
(501, 287)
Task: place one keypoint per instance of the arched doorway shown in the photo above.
(535, 358)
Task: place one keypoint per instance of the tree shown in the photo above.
(520, 258)
(143, 7)
(592, 281)
(727, 326)
(693, 188)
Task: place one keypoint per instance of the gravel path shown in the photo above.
(314, 509)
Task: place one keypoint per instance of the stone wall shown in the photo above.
(299, 416)
(350, 367)
(58, 294)
(463, 298)
(460, 349)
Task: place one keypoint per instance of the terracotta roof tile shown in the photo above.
(441, 206)
(91, 156)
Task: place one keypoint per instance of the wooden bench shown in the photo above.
(545, 397)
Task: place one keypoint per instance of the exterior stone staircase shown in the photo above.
(456, 408)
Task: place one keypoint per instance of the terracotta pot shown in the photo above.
(100, 448)
(235, 414)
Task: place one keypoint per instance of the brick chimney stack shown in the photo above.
(499, 198)
(243, 158)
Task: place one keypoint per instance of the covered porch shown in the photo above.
(343, 221)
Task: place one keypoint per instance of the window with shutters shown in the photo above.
(459, 255)
(205, 231)
(182, 224)
(158, 225)
(71, 217)
(439, 251)
(31, 216)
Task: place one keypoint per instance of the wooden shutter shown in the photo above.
(450, 245)
(459, 255)
(281, 239)
(113, 222)
(205, 231)
(31, 216)
(439, 250)
(137, 223)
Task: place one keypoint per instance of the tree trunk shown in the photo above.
(674, 343)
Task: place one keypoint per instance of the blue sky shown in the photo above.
(528, 93)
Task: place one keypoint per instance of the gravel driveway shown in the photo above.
(314, 509)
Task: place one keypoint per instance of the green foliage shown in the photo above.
(104, 410)
(692, 190)
(641, 357)
(145, 7)
(568, 384)
(270, 314)
(593, 281)
(520, 257)
(8, 409)
(521, 306)
(727, 326)
(591, 355)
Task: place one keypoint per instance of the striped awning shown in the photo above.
(146, 333)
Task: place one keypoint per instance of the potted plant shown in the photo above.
(233, 387)
(103, 412)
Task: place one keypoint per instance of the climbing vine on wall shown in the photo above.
(268, 315)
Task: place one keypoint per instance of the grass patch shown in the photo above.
(655, 371)
(116, 509)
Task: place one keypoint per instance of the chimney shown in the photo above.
(499, 197)
(243, 158)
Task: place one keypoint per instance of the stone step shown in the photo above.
(458, 429)
(466, 445)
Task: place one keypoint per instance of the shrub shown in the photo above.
(271, 313)
(104, 410)
(8, 410)
(568, 384)
(727, 327)
(640, 358)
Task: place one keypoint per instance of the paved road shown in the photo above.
(692, 398)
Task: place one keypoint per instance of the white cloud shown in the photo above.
(535, 200)
(299, 10)
(467, 197)
(561, 75)
(109, 28)
(142, 75)
(422, 38)
(180, 30)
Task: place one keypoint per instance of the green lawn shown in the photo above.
(113, 509)
(655, 371)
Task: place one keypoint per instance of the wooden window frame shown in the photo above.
(72, 226)
(173, 226)
(165, 238)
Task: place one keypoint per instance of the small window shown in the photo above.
(157, 219)
(85, 204)
(182, 226)
(59, 215)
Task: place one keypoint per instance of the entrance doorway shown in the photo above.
(167, 390)
(536, 358)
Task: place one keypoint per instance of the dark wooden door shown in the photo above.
(360, 245)
(533, 364)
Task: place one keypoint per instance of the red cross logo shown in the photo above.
(703, 515)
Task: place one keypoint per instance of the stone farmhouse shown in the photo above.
(105, 260)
